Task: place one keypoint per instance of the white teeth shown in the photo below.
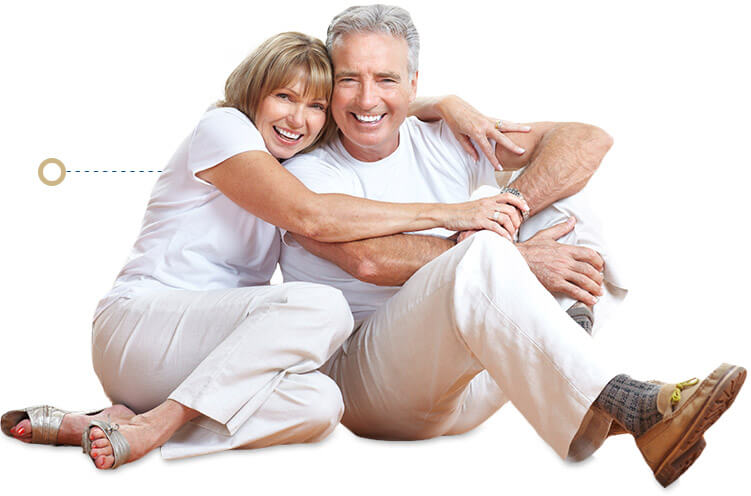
(368, 118)
(287, 134)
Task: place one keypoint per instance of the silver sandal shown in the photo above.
(120, 445)
(45, 422)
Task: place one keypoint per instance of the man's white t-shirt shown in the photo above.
(194, 237)
(429, 165)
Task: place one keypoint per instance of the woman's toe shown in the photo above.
(100, 443)
(104, 462)
(96, 433)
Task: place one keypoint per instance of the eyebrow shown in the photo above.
(390, 75)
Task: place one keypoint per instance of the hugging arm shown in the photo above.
(256, 182)
(559, 159)
(384, 261)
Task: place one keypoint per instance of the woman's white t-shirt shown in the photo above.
(194, 237)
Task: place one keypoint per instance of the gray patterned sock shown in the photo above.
(632, 403)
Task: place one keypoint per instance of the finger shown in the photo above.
(508, 126)
(467, 145)
(513, 214)
(512, 200)
(505, 222)
(576, 293)
(589, 271)
(584, 283)
(496, 228)
(588, 255)
(507, 143)
(557, 231)
(488, 151)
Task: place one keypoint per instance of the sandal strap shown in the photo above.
(45, 422)
(120, 445)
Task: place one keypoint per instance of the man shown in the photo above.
(474, 323)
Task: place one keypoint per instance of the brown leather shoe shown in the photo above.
(689, 409)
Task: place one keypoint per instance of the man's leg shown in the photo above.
(404, 373)
(588, 233)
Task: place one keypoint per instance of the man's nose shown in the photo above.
(367, 97)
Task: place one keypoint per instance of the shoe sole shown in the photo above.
(690, 446)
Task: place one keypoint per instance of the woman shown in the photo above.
(191, 330)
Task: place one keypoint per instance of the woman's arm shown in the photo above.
(469, 125)
(259, 184)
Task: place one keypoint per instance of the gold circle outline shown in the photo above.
(47, 181)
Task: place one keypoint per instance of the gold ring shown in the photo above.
(47, 181)
(498, 124)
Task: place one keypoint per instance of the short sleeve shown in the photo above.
(481, 172)
(321, 177)
(222, 133)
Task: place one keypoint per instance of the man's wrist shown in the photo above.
(513, 191)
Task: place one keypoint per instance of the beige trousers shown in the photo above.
(245, 358)
(472, 330)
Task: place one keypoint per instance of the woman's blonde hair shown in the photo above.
(277, 63)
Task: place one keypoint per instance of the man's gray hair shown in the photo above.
(377, 19)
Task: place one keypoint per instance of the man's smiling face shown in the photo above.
(372, 92)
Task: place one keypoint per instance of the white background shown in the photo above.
(104, 87)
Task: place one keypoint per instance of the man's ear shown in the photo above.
(413, 87)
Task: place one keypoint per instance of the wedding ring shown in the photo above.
(496, 214)
(498, 124)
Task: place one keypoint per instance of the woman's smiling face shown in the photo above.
(289, 120)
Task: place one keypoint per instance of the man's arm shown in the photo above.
(384, 261)
(391, 260)
(559, 159)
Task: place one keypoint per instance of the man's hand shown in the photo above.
(572, 270)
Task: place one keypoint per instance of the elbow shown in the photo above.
(598, 143)
(367, 271)
(315, 223)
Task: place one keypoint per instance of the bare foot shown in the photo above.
(73, 425)
(143, 432)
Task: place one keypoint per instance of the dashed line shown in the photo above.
(91, 171)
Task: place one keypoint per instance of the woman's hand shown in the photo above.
(501, 214)
(467, 123)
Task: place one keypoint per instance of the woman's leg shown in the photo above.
(217, 356)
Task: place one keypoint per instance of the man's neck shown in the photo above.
(367, 153)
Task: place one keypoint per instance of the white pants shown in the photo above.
(245, 358)
(470, 331)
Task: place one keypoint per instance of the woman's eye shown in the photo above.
(283, 96)
(319, 106)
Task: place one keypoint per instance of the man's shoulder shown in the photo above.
(325, 156)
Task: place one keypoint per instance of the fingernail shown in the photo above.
(521, 150)
(527, 128)
(20, 431)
